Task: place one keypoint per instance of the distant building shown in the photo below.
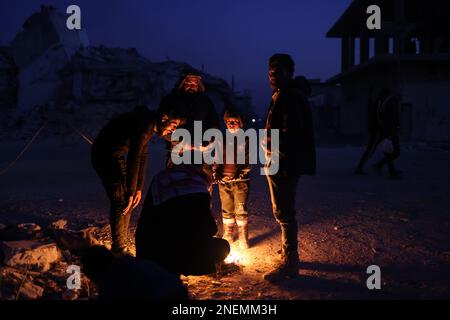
(325, 103)
(409, 55)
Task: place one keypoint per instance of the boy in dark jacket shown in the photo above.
(119, 156)
(176, 229)
(234, 183)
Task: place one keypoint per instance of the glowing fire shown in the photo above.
(235, 256)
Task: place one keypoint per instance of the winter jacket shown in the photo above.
(129, 135)
(290, 113)
(176, 228)
(233, 171)
(195, 107)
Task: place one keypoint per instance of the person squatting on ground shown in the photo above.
(233, 180)
(176, 228)
(129, 278)
(119, 156)
(290, 113)
(188, 97)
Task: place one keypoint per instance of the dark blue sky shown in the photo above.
(228, 37)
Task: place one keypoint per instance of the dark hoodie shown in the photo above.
(194, 106)
(290, 112)
(233, 170)
(128, 135)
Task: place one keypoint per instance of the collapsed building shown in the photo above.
(8, 79)
(64, 80)
(410, 55)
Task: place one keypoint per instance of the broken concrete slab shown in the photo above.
(70, 295)
(24, 231)
(31, 254)
(29, 228)
(59, 224)
(30, 291)
(42, 30)
(76, 241)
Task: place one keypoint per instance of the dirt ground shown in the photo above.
(346, 222)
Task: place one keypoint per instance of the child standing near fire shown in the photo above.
(233, 180)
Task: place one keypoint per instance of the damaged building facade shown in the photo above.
(60, 77)
(410, 55)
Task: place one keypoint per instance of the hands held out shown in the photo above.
(223, 180)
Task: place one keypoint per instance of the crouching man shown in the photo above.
(119, 156)
(176, 228)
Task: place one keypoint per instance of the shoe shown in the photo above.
(243, 233)
(228, 230)
(122, 252)
(288, 268)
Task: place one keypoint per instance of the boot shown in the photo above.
(119, 252)
(228, 230)
(243, 232)
(288, 268)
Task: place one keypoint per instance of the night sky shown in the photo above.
(227, 37)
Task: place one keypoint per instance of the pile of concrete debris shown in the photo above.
(8, 81)
(49, 74)
(35, 261)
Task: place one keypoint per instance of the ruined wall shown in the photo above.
(62, 80)
(430, 110)
(325, 104)
(41, 50)
(8, 80)
(42, 30)
(426, 91)
(425, 103)
(40, 81)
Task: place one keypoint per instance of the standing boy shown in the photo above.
(234, 183)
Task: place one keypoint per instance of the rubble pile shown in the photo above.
(50, 75)
(34, 261)
(8, 80)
